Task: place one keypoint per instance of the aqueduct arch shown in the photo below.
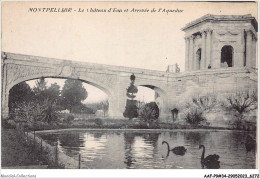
(98, 85)
(13, 72)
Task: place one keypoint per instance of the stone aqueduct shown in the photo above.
(113, 80)
(173, 88)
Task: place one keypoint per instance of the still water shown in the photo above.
(144, 150)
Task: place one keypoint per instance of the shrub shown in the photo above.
(150, 112)
(98, 122)
(8, 124)
(239, 105)
(197, 108)
(69, 118)
(31, 112)
(49, 111)
(82, 108)
(205, 103)
(194, 117)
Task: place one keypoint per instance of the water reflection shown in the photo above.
(71, 141)
(195, 138)
(140, 148)
(129, 140)
(94, 146)
(114, 149)
(98, 135)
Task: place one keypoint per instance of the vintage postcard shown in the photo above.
(129, 85)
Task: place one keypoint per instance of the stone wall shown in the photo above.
(218, 83)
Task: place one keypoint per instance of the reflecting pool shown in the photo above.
(114, 149)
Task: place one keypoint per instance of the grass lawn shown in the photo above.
(16, 152)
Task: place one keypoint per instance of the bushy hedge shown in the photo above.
(194, 117)
(99, 122)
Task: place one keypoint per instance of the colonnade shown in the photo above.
(200, 61)
(190, 58)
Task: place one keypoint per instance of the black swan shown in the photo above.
(180, 150)
(211, 161)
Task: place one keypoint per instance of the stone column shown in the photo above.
(2, 76)
(208, 47)
(243, 42)
(5, 93)
(186, 54)
(253, 62)
(203, 51)
(191, 54)
(248, 48)
(194, 62)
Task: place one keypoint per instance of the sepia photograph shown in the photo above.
(129, 85)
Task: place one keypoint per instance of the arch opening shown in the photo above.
(227, 52)
(96, 103)
(150, 93)
(198, 59)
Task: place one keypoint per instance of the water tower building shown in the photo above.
(219, 41)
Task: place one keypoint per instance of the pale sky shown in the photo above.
(142, 40)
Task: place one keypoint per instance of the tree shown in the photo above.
(42, 92)
(49, 111)
(18, 94)
(40, 85)
(39, 90)
(53, 92)
(105, 106)
(240, 104)
(73, 93)
(131, 110)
